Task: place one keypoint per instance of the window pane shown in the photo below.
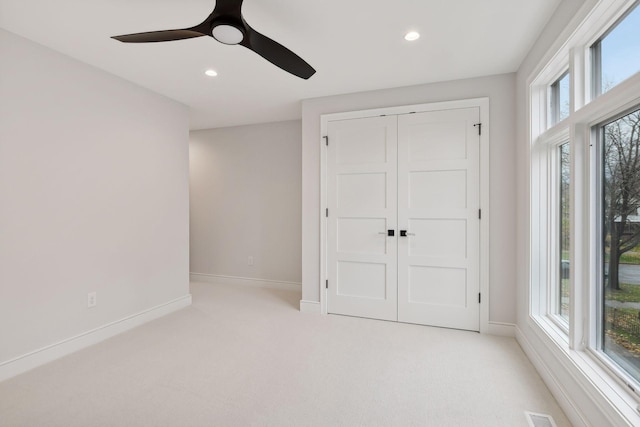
(619, 52)
(564, 97)
(621, 242)
(560, 99)
(563, 288)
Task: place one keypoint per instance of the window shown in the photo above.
(559, 98)
(616, 55)
(620, 244)
(584, 234)
(564, 236)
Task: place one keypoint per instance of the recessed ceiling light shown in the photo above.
(211, 73)
(411, 36)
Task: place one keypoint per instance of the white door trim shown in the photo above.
(483, 104)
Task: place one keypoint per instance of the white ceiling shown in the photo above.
(355, 45)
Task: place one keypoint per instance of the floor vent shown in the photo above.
(539, 420)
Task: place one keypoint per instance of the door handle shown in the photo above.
(403, 233)
(389, 233)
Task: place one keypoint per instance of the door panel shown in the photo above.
(437, 285)
(429, 189)
(354, 235)
(438, 200)
(362, 202)
(361, 191)
(438, 238)
(436, 141)
(362, 280)
(360, 145)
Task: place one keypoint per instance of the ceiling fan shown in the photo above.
(226, 25)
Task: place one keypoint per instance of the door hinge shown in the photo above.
(479, 298)
(326, 213)
(479, 213)
(326, 284)
(479, 126)
(326, 140)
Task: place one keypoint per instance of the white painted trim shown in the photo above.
(65, 347)
(324, 131)
(403, 109)
(485, 205)
(245, 281)
(501, 329)
(310, 307)
(483, 104)
(581, 386)
(562, 396)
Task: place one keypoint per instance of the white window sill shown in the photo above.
(609, 395)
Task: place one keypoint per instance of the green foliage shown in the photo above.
(627, 293)
(631, 257)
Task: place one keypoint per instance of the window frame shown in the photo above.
(546, 158)
(595, 53)
(557, 256)
(551, 145)
(554, 99)
(597, 345)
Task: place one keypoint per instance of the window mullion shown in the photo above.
(553, 230)
(593, 308)
(577, 72)
(579, 236)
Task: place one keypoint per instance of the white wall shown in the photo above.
(245, 201)
(500, 89)
(93, 197)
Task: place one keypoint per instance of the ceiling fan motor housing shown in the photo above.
(228, 32)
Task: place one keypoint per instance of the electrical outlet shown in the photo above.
(91, 299)
(250, 261)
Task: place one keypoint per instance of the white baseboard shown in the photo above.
(557, 390)
(245, 281)
(501, 329)
(55, 351)
(310, 307)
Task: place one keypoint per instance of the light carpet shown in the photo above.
(247, 357)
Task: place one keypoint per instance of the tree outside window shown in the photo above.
(621, 241)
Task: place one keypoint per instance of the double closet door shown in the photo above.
(403, 218)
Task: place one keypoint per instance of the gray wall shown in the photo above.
(245, 201)
(500, 89)
(93, 197)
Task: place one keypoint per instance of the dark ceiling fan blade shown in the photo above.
(159, 36)
(276, 54)
(228, 7)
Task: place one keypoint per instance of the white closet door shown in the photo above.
(438, 198)
(362, 196)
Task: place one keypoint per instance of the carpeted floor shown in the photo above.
(247, 357)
